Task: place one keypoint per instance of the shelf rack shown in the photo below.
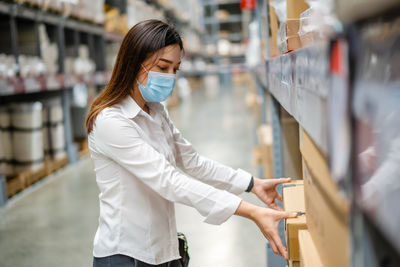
(304, 84)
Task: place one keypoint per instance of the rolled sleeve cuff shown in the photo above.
(223, 209)
(240, 182)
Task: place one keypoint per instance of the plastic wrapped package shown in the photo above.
(319, 22)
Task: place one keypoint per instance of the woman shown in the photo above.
(137, 151)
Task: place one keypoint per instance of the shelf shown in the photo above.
(300, 81)
(234, 37)
(45, 83)
(30, 13)
(220, 2)
(113, 37)
(230, 19)
(365, 9)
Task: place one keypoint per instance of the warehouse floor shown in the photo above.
(54, 222)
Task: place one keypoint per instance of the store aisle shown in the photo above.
(54, 224)
(219, 126)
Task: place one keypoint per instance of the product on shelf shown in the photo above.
(8, 66)
(115, 22)
(288, 37)
(264, 137)
(30, 66)
(27, 136)
(294, 263)
(83, 64)
(309, 256)
(111, 54)
(327, 209)
(6, 153)
(138, 11)
(49, 51)
(318, 22)
(53, 129)
(293, 200)
(222, 14)
(273, 27)
(92, 10)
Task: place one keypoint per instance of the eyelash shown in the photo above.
(165, 68)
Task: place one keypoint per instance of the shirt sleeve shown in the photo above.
(118, 139)
(207, 170)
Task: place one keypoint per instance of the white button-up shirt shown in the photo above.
(136, 159)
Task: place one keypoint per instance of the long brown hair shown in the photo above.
(142, 41)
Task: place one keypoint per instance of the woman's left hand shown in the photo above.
(265, 190)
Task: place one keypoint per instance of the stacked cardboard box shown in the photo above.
(273, 26)
(264, 136)
(294, 8)
(291, 152)
(327, 211)
(293, 200)
(309, 256)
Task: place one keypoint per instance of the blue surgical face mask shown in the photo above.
(159, 86)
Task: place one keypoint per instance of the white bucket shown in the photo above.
(27, 135)
(6, 150)
(53, 129)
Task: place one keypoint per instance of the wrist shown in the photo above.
(247, 210)
(256, 182)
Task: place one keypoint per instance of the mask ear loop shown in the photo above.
(144, 69)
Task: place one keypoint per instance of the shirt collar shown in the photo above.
(131, 109)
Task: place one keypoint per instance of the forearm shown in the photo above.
(247, 210)
(215, 173)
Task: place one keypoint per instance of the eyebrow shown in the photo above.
(168, 61)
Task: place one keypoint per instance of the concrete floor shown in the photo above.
(53, 224)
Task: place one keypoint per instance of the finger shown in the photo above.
(289, 214)
(275, 206)
(273, 246)
(277, 181)
(279, 197)
(280, 246)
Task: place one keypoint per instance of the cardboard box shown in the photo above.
(294, 8)
(288, 36)
(291, 152)
(273, 27)
(293, 200)
(318, 165)
(264, 137)
(327, 211)
(292, 31)
(294, 264)
(309, 256)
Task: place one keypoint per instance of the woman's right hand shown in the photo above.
(267, 220)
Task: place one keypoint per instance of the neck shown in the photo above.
(135, 94)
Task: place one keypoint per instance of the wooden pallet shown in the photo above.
(25, 179)
(56, 164)
(83, 148)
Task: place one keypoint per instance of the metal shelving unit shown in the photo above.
(58, 27)
(304, 83)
